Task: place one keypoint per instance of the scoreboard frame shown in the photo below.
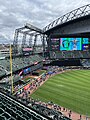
(58, 44)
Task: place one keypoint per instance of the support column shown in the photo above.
(15, 42)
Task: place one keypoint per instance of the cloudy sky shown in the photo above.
(15, 13)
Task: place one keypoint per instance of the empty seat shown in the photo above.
(19, 112)
(1, 111)
(7, 116)
(2, 117)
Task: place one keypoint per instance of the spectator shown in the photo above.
(69, 115)
(80, 117)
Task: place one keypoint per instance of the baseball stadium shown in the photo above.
(45, 73)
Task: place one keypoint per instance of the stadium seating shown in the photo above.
(2, 72)
(85, 54)
(85, 63)
(51, 113)
(88, 54)
(69, 54)
(18, 63)
(76, 54)
(13, 110)
(56, 54)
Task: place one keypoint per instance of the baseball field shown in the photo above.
(69, 89)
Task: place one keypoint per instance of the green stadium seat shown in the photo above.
(1, 111)
(7, 116)
(2, 117)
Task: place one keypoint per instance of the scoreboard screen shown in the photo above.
(55, 44)
(69, 44)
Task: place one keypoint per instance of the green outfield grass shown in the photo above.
(70, 89)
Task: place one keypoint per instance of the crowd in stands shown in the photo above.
(34, 83)
(85, 63)
(23, 80)
(49, 109)
(18, 63)
(24, 96)
(69, 54)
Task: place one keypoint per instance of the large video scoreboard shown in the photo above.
(69, 44)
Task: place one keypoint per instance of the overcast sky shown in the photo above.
(15, 13)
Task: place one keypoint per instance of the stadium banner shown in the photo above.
(27, 70)
(20, 72)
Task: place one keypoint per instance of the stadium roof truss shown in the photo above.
(32, 31)
(77, 13)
